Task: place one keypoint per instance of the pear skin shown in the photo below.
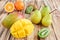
(47, 20)
(45, 10)
(36, 16)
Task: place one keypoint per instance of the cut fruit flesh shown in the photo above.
(9, 7)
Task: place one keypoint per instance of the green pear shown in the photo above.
(36, 16)
(45, 10)
(47, 20)
(9, 20)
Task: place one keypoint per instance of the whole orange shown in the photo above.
(19, 5)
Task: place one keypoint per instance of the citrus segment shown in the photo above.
(9, 7)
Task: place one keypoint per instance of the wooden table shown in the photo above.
(54, 27)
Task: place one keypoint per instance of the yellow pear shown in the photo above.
(47, 20)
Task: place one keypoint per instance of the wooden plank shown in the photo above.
(54, 35)
(56, 24)
(2, 3)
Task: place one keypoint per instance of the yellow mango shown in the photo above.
(22, 28)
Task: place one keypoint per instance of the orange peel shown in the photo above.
(19, 5)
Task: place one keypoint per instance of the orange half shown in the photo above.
(9, 7)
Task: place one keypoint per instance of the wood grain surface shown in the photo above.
(54, 27)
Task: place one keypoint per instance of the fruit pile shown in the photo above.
(44, 17)
(21, 27)
(10, 7)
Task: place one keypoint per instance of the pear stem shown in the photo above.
(44, 3)
(52, 11)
